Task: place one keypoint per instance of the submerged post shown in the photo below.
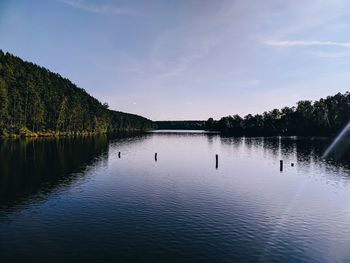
(155, 157)
(292, 164)
(217, 161)
(118, 154)
(281, 165)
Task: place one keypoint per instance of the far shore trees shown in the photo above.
(323, 117)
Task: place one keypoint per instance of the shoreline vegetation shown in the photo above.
(35, 102)
(324, 117)
(25, 133)
(180, 125)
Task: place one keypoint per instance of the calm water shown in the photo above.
(75, 200)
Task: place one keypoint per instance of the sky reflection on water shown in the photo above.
(75, 199)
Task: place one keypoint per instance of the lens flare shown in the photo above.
(337, 140)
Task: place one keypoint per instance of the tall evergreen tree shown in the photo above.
(3, 103)
(34, 98)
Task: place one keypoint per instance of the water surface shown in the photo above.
(75, 200)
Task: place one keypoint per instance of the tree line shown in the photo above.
(34, 100)
(180, 125)
(323, 117)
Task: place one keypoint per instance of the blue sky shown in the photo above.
(187, 59)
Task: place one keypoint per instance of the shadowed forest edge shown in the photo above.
(37, 102)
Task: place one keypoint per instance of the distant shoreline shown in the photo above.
(54, 134)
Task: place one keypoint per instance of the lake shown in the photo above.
(77, 200)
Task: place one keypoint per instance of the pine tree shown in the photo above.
(3, 104)
(62, 115)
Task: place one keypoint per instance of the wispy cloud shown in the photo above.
(305, 43)
(98, 8)
(330, 55)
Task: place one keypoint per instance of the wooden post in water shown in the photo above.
(155, 157)
(118, 154)
(281, 165)
(217, 161)
(292, 164)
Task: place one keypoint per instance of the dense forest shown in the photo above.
(180, 125)
(37, 102)
(323, 117)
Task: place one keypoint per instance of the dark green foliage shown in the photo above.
(180, 125)
(324, 117)
(3, 104)
(129, 122)
(34, 98)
